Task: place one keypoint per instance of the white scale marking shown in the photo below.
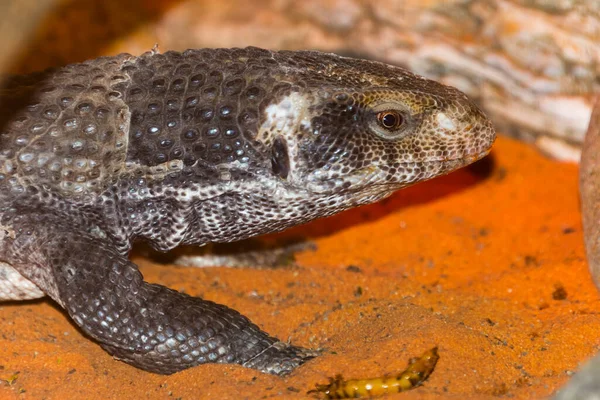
(445, 123)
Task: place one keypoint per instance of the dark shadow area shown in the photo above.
(45, 299)
(269, 251)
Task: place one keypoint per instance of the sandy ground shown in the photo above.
(486, 263)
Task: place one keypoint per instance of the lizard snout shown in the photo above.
(465, 128)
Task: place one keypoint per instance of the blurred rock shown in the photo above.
(585, 385)
(532, 64)
(19, 20)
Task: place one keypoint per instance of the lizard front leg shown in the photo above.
(146, 325)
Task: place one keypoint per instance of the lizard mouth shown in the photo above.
(374, 179)
(465, 159)
(476, 156)
(468, 158)
(449, 164)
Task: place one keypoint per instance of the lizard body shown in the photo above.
(203, 146)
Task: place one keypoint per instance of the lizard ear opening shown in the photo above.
(280, 161)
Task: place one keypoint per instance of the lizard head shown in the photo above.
(359, 130)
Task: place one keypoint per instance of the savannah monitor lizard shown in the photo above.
(211, 145)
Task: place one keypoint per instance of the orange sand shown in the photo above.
(490, 268)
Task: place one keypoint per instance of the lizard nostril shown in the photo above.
(280, 161)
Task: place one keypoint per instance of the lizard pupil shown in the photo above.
(390, 120)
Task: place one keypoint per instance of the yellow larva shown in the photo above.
(416, 373)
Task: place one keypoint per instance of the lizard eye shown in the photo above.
(390, 120)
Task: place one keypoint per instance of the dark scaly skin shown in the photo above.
(196, 147)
